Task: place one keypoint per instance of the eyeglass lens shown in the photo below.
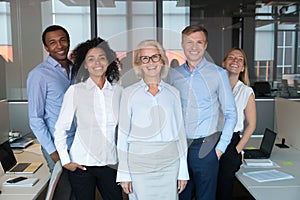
(146, 59)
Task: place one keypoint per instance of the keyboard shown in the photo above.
(20, 167)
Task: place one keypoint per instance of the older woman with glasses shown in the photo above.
(151, 139)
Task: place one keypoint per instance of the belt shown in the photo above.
(209, 138)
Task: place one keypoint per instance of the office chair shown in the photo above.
(53, 180)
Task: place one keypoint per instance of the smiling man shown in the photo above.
(46, 86)
(204, 88)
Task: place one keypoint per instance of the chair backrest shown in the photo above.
(53, 180)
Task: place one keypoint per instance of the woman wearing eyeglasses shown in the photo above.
(236, 64)
(151, 139)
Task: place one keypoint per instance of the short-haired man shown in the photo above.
(46, 86)
(204, 88)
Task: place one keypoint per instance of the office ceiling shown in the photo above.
(203, 8)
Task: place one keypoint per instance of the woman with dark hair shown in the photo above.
(94, 104)
(235, 62)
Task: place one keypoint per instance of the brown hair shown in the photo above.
(194, 28)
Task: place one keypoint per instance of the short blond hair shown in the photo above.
(137, 61)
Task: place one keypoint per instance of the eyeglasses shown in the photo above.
(146, 59)
(238, 59)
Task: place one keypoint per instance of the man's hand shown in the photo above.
(219, 153)
(55, 156)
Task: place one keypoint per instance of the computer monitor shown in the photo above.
(262, 88)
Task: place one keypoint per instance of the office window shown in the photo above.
(176, 16)
(264, 52)
(137, 21)
(74, 17)
(285, 53)
(22, 24)
(5, 24)
(130, 19)
(5, 45)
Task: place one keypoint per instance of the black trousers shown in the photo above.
(84, 183)
(229, 163)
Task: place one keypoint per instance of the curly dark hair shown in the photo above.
(80, 51)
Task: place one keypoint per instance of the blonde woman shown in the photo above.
(151, 141)
(235, 63)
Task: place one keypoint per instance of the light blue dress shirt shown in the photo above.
(202, 93)
(46, 86)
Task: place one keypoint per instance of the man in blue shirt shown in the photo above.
(204, 89)
(46, 86)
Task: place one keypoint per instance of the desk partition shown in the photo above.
(287, 121)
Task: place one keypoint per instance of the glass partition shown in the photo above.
(5, 45)
(267, 30)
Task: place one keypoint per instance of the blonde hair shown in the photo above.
(137, 61)
(243, 76)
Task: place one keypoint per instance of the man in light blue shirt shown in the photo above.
(204, 89)
(46, 86)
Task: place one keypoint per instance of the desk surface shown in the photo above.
(289, 162)
(30, 154)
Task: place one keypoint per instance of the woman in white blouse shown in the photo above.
(94, 105)
(151, 139)
(235, 63)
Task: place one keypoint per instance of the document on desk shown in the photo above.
(268, 175)
(259, 163)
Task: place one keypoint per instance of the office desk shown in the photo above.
(289, 162)
(32, 153)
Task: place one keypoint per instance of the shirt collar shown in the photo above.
(237, 85)
(161, 85)
(54, 63)
(90, 84)
(200, 65)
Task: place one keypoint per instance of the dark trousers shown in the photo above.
(203, 173)
(229, 163)
(84, 183)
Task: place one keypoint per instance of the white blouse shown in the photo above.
(241, 93)
(95, 112)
